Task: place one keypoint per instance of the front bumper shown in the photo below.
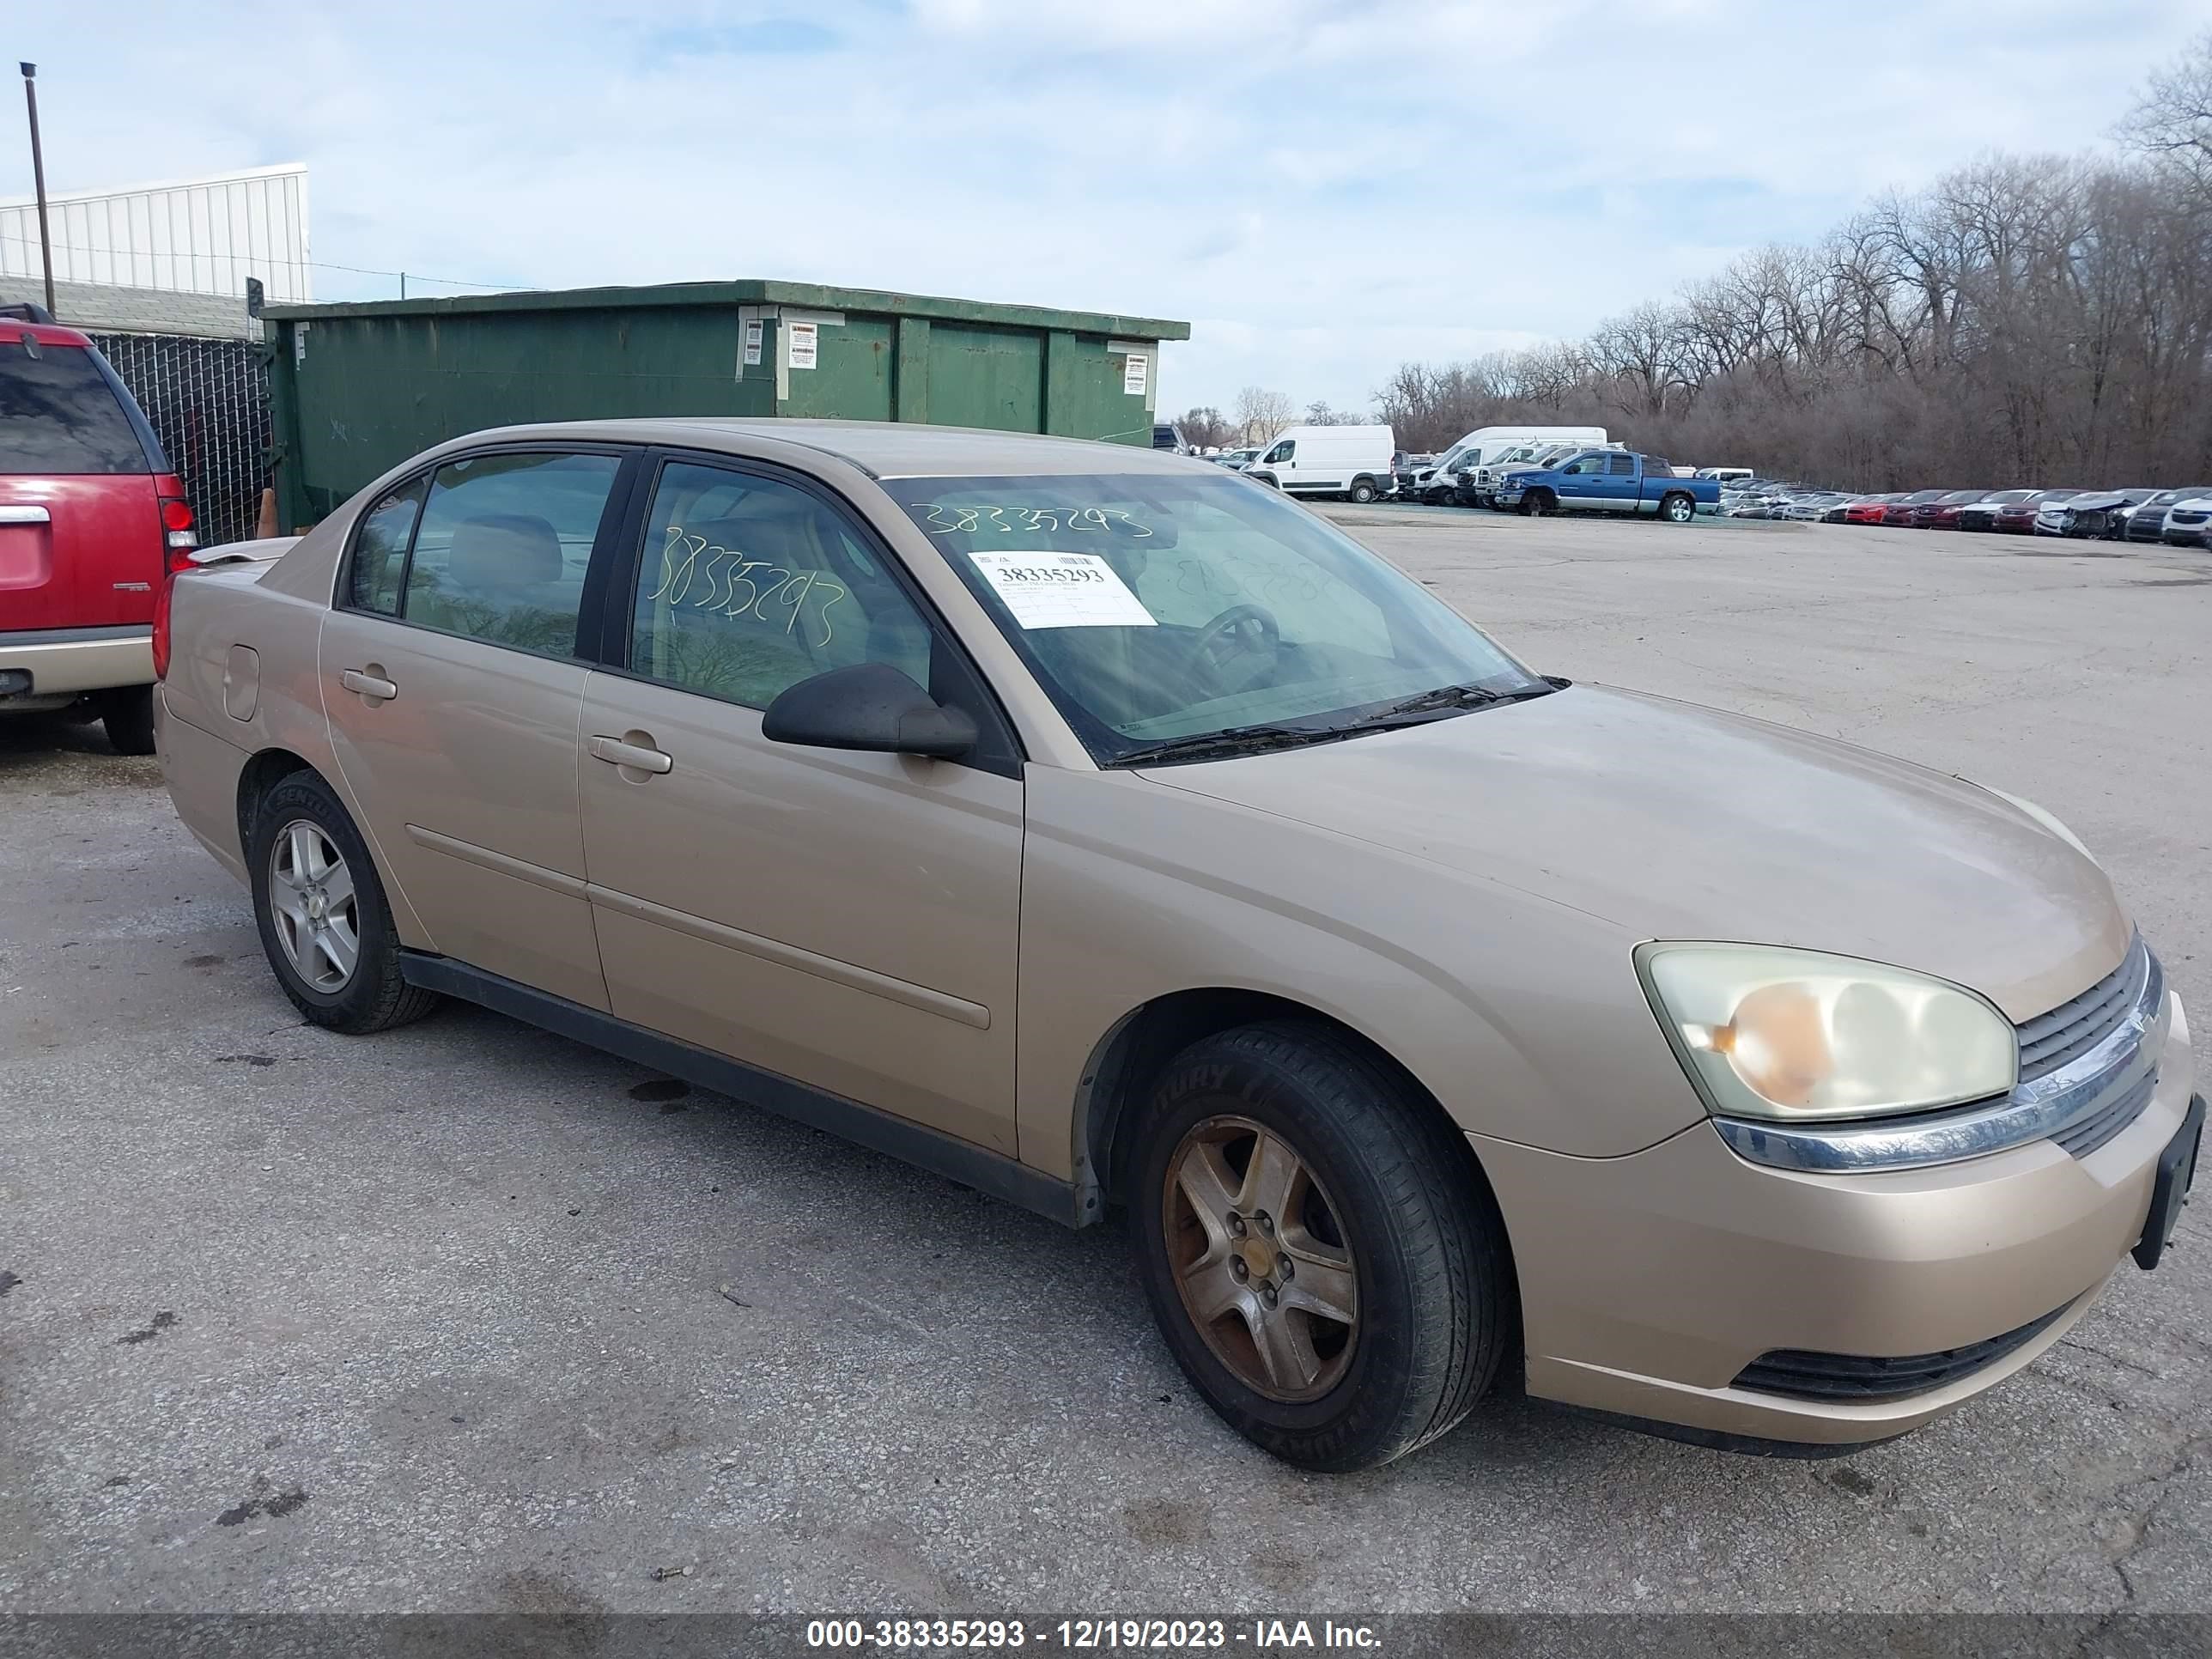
(1649, 1282)
(73, 660)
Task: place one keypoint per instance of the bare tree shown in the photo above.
(1260, 414)
(2023, 321)
(2173, 119)
(1205, 427)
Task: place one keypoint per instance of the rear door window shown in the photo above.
(502, 546)
(59, 414)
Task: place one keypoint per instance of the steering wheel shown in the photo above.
(1243, 630)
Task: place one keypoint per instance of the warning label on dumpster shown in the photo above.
(1133, 374)
(752, 345)
(803, 337)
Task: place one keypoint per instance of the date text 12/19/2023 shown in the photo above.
(1257, 1635)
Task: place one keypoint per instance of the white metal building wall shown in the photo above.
(196, 236)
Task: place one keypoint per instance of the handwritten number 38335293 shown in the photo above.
(1036, 520)
(727, 584)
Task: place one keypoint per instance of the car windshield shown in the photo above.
(1156, 608)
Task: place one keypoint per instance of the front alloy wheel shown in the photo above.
(1261, 1258)
(1318, 1245)
(312, 901)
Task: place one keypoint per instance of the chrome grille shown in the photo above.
(2051, 1041)
(2092, 1131)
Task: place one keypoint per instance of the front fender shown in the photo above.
(1523, 1017)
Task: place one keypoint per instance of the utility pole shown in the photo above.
(38, 178)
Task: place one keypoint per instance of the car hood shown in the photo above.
(1677, 822)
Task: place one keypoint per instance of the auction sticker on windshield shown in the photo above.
(1063, 590)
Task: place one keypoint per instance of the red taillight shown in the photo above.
(178, 536)
(162, 599)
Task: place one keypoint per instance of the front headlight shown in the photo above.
(1798, 1036)
(2046, 820)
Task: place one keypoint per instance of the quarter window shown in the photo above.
(748, 585)
(379, 550)
(503, 545)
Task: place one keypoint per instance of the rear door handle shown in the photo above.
(615, 752)
(367, 684)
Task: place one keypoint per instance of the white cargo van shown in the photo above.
(1328, 460)
(1486, 445)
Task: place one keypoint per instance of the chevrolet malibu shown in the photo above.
(1103, 831)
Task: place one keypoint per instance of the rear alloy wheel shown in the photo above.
(1318, 1246)
(1363, 492)
(127, 712)
(320, 908)
(1678, 509)
(317, 910)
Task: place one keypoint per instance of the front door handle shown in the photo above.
(615, 752)
(370, 685)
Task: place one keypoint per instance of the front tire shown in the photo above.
(127, 712)
(319, 906)
(1320, 1251)
(1536, 503)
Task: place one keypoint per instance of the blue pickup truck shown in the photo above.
(1608, 481)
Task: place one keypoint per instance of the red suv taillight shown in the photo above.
(178, 536)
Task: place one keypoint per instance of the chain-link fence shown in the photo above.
(208, 404)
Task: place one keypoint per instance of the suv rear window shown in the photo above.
(58, 413)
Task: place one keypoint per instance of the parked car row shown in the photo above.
(2178, 517)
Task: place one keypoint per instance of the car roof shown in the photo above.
(884, 449)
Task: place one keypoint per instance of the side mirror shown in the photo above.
(870, 706)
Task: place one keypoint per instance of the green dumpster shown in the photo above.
(355, 389)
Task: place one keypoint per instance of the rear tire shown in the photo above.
(1677, 508)
(305, 844)
(1382, 1203)
(127, 712)
(1363, 491)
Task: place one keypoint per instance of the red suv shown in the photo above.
(92, 520)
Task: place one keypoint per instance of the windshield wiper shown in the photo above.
(1252, 739)
(1455, 696)
(1236, 740)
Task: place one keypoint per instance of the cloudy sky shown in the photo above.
(1322, 190)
